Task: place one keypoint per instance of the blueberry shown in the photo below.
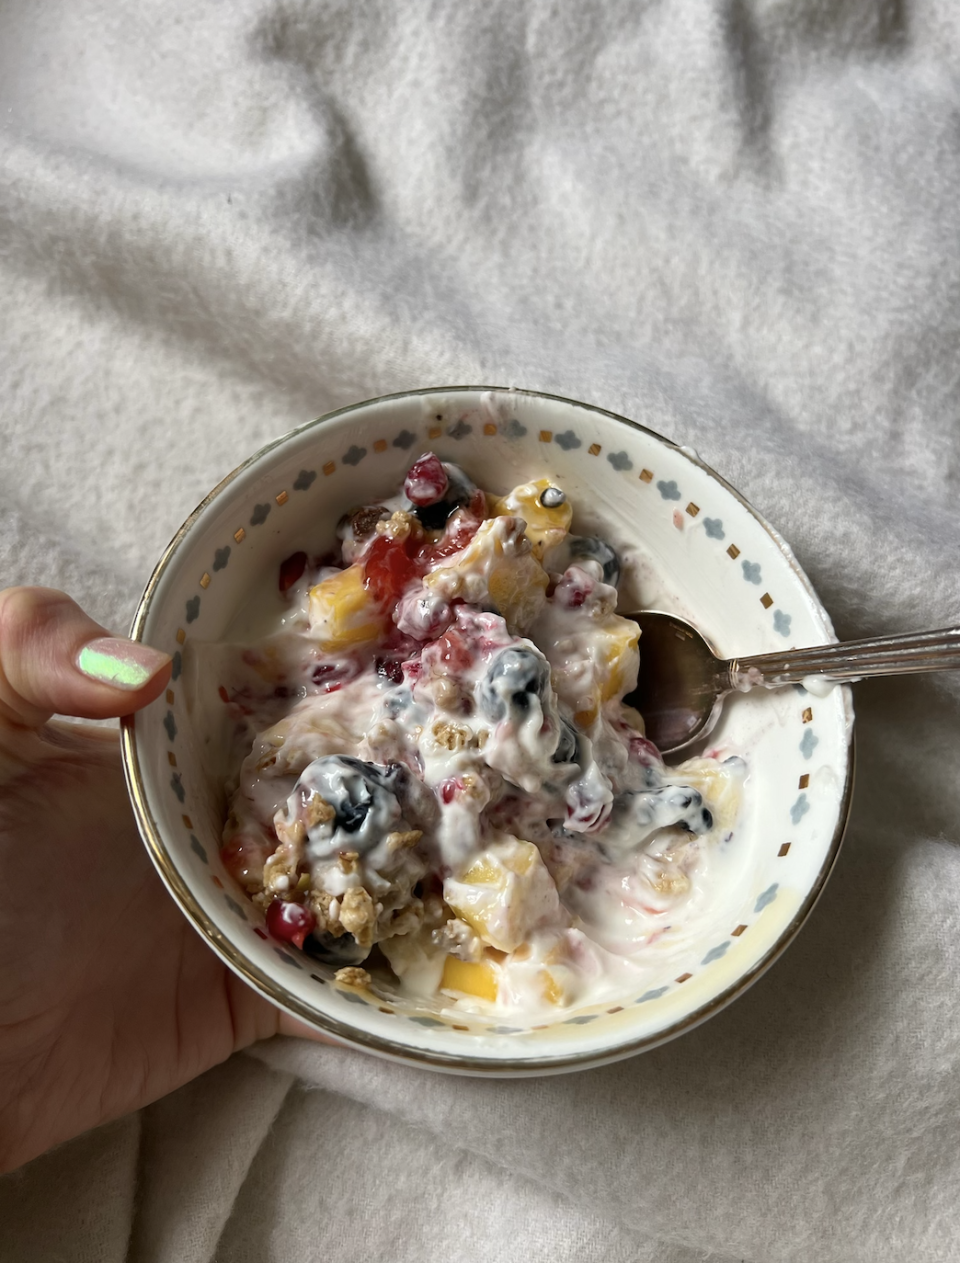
(514, 676)
(592, 548)
(568, 747)
(672, 805)
(363, 797)
(332, 950)
(433, 517)
(552, 497)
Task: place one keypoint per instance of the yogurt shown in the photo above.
(440, 785)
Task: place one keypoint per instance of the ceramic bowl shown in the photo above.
(696, 548)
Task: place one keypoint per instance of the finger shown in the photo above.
(293, 1026)
(56, 660)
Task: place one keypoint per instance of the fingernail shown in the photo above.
(124, 664)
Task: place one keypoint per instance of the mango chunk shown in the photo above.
(470, 977)
(505, 894)
(342, 613)
(497, 568)
(615, 660)
(619, 657)
(546, 527)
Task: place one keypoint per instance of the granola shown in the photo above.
(441, 784)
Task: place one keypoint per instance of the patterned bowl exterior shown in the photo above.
(697, 548)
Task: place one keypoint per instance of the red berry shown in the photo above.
(291, 570)
(449, 788)
(426, 481)
(574, 588)
(290, 922)
(387, 570)
(390, 669)
(450, 652)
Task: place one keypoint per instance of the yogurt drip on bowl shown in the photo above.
(441, 790)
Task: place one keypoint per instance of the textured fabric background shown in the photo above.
(734, 220)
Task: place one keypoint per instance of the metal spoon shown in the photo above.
(682, 684)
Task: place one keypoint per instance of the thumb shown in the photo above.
(56, 660)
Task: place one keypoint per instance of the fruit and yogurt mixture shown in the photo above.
(444, 787)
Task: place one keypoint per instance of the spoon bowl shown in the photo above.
(681, 683)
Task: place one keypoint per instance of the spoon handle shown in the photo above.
(850, 660)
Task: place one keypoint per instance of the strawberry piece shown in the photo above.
(387, 570)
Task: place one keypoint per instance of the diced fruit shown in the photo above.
(553, 992)
(616, 660)
(426, 481)
(459, 491)
(547, 523)
(243, 858)
(619, 656)
(504, 894)
(469, 977)
(290, 922)
(291, 570)
(518, 589)
(343, 612)
(458, 531)
(498, 568)
(387, 570)
(721, 785)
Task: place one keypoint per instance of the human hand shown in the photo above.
(108, 997)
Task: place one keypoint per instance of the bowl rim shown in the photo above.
(271, 989)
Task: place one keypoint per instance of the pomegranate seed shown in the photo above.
(426, 481)
(330, 676)
(291, 570)
(449, 789)
(290, 922)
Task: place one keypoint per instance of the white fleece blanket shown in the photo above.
(737, 221)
